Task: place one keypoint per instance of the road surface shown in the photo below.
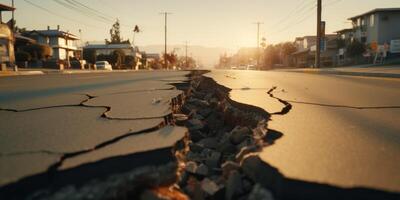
(52, 123)
(341, 130)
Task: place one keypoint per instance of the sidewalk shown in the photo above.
(384, 71)
(42, 71)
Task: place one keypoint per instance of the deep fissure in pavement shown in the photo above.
(225, 139)
(217, 160)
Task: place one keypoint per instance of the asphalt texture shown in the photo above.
(339, 130)
(61, 122)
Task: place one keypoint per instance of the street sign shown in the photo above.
(323, 24)
(395, 46)
(323, 44)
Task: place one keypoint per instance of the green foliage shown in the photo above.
(271, 56)
(288, 48)
(118, 58)
(181, 63)
(356, 48)
(103, 57)
(38, 51)
(171, 58)
(130, 61)
(115, 33)
(341, 43)
(89, 55)
(22, 56)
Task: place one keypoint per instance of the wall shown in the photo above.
(389, 29)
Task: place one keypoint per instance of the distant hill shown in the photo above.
(207, 56)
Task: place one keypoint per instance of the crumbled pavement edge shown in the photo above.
(217, 159)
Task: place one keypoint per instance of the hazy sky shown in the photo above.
(215, 23)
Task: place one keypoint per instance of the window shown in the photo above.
(372, 20)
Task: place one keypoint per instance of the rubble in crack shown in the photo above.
(223, 135)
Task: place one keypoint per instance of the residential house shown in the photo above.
(153, 60)
(63, 43)
(346, 34)
(306, 47)
(108, 49)
(345, 37)
(7, 56)
(377, 27)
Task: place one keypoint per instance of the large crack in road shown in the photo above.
(219, 168)
(221, 162)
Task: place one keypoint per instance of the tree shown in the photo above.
(38, 51)
(271, 56)
(288, 48)
(224, 61)
(118, 58)
(171, 58)
(356, 48)
(130, 61)
(115, 33)
(89, 55)
(181, 63)
(22, 56)
(263, 42)
(341, 43)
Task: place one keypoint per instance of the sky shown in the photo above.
(211, 23)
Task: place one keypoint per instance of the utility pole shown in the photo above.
(13, 32)
(12, 16)
(258, 44)
(186, 56)
(318, 52)
(165, 38)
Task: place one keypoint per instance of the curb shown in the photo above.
(365, 74)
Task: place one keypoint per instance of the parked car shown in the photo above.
(103, 65)
(251, 67)
(242, 67)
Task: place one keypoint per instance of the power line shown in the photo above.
(304, 18)
(80, 11)
(332, 3)
(298, 8)
(58, 15)
(96, 13)
(87, 7)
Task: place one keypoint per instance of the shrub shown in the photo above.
(38, 51)
(22, 56)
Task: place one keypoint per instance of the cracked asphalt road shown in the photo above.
(57, 122)
(340, 130)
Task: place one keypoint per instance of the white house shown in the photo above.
(378, 26)
(62, 43)
(108, 49)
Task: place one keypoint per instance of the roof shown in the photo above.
(23, 38)
(345, 30)
(329, 36)
(300, 52)
(56, 33)
(108, 46)
(6, 8)
(375, 11)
